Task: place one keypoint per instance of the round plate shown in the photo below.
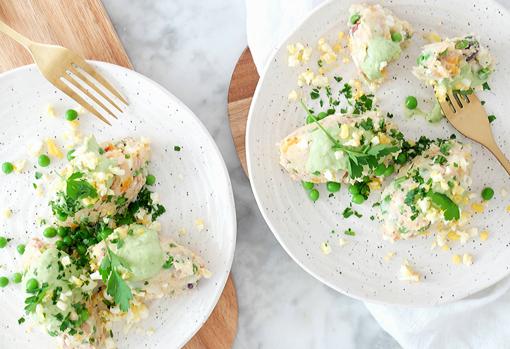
(358, 269)
(193, 183)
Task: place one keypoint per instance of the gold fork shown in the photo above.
(59, 64)
(468, 116)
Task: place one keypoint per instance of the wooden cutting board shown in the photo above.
(240, 93)
(84, 27)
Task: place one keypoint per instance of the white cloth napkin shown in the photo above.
(479, 321)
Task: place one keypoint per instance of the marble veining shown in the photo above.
(191, 47)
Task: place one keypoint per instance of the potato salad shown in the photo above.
(104, 255)
(458, 64)
(340, 148)
(431, 190)
(376, 38)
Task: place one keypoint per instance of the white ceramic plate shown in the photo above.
(192, 184)
(358, 269)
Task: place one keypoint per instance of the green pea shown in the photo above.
(411, 102)
(20, 248)
(62, 231)
(44, 160)
(3, 241)
(333, 187)
(71, 115)
(307, 185)
(61, 216)
(401, 158)
(358, 199)
(389, 170)
(396, 37)
(4, 281)
(70, 154)
(150, 180)
(32, 285)
(82, 249)
(355, 18)
(321, 115)
(50, 232)
(16, 278)
(354, 189)
(487, 193)
(314, 195)
(68, 241)
(60, 245)
(379, 170)
(7, 167)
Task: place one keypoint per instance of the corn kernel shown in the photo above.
(445, 248)
(453, 236)
(508, 208)
(53, 149)
(478, 208)
(456, 259)
(341, 35)
(484, 235)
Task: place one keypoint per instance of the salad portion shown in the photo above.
(99, 181)
(429, 192)
(376, 38)
(105, 256)
(458, 64)
(340, 148)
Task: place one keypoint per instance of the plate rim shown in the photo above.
(250, 163)
(230, 205)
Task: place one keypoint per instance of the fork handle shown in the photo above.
(494, 149)
(4, 28)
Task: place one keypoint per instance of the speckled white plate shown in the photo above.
(358, 269)
(193, 184)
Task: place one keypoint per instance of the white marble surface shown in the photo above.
(191, 48)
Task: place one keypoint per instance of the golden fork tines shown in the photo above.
(468, 116)
(70, 73)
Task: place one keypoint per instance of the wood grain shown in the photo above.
(240, 93)
(84, 27)
(81, 25)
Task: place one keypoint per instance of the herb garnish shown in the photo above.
(115, 285)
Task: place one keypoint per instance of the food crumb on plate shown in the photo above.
(467, 259)
(293, 96)
(7, 213)
(456, 259)
(199, 224)
(407, 273)
(484, 235)
(326, 248)
(342, 242)
(389, 256)
(50, 111)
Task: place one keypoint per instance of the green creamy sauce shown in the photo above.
(143, 254)
(466, 72)
(46, 270)
(322, 156)
(379, 50)
(103, 163)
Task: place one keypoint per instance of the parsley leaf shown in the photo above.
(115, 285)
(77, 188)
